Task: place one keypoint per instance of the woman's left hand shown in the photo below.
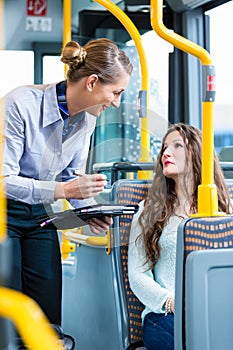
(100, 225)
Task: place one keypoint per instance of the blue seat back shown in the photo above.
(128, 192)
(204, 251)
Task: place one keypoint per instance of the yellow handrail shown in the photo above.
(96, 241)
(91, 241)
(207, 191)
(67, 13)
(30, 321)
(135, 35)
(66, 246)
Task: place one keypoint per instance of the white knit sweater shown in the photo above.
(152, 289)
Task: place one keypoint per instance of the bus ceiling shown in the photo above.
(185, 5)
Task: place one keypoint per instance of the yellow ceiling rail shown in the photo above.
(30, 321)
(207, 191)
(135, 35)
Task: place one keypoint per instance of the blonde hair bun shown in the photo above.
(73, 54)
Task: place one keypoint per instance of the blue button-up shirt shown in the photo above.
(35, 157)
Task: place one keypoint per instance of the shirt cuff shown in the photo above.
(44, 191)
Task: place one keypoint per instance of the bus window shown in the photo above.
(117, 135)
(221, 53)
(53, 69)
(16, 68)
(157, 53)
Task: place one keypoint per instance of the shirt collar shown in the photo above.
(61, 99)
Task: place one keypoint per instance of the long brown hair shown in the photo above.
(99, 56)
(162, 200)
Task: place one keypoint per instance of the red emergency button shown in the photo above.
(211, 83)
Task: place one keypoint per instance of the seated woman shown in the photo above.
(152, 248)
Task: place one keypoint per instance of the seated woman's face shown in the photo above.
(174, 156)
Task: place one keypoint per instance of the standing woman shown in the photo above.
(47, 137)
(152, 248)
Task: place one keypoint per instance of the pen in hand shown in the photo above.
(94, 183)
(77, 173)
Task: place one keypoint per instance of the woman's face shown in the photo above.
(103, 96)
(174, 157)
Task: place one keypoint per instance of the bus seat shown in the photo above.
(227, 167)
(230, 188)
(99, 309)
(204, 284)
(127, 192)
(226, 154)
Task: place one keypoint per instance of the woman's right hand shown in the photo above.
(86, 186)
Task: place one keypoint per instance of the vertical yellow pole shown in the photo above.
(135, 35)
(207, 191)
(67, 13)
(208, 144)
(66, 246)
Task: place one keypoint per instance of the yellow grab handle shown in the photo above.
(174, 38)
(92, 241)
(98, 241)
(207, 191)
(135, 35)
(30, 321)
(66, 247)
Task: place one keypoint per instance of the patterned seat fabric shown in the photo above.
(208, 233)
(130, 192)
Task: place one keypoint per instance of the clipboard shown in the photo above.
(73, 218)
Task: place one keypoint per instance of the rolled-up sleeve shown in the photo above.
(35, 157)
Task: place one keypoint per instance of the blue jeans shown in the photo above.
(158, 331)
